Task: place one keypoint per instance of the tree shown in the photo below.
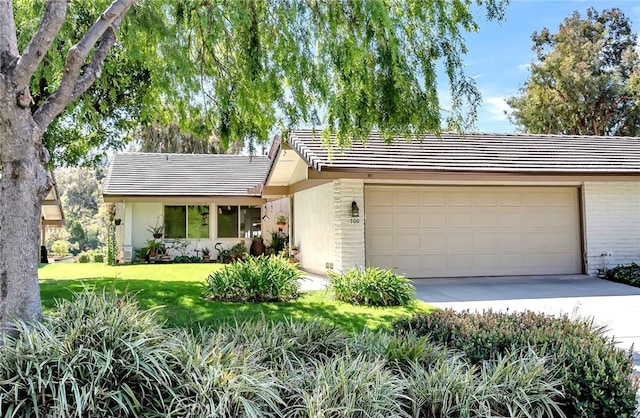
(241, 67)
(586, 80)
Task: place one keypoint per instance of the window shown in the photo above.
(239, 221)
(190, 221)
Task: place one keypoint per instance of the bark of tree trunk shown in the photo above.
(23, 186)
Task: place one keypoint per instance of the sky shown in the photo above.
(500, 53)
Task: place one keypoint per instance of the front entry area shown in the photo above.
(438, 231)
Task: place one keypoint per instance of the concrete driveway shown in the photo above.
(614, 305)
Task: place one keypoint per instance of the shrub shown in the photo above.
(100, 355)
(258, 279)
(88, 360)
(372, 287)
(60, 247)
(627, 274)
(84, 258)
(596, 376)
(98, 258)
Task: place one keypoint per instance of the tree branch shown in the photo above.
(8, 40)
(72, 82)
(52, 20)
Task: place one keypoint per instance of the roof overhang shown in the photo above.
(186, 199)
(52, 213)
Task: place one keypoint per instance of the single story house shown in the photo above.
(454, 205)
(462, 204)
(204, 199)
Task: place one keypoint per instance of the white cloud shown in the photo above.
(524, 67)
(496, 107)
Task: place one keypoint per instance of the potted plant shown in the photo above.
(224, 255)
(257, 247)
(206, 254)
(281, 221)
(295, 250)
(141, 254)
(156, 230)
(153, 248)
(238, 251)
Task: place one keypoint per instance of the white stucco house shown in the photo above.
(204, 199)
(462, 205)
(454, 205)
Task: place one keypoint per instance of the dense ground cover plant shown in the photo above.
(625, 273)
(89, 359)
(596, 376)
(257, 279)
(371, 286)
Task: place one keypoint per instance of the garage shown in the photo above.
(438, 231)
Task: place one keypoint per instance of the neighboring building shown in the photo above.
(52, 219)
(202, 198)
(462, 205)
(455, 205)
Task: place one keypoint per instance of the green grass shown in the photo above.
(177, 288)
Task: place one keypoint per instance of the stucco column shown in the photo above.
(348, 230)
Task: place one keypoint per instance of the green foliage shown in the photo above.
(371, 286)
(348, 66)
(60, 247)
(84, 258)
(627, 274)
(586, 80)
(258, 279)
(98, 258)
(596, 376)
(112, 245)
(90, 359)
(279, 240)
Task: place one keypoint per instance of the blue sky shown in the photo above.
(499, 54)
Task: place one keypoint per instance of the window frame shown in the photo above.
(186, 220)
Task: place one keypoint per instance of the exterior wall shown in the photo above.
(313, 215)
(143, 216)
(272, 210)
(349, 231)
(611, 212)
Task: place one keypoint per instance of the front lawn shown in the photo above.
(177, 290)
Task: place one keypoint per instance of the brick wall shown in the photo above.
(349, 231)
(611, 212)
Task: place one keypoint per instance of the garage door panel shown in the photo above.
(486, 240)
(430, 218)
(380, 242)
(465, 231)
(433, 199)
(433, 240)
(457, 219)
(460, 240)
(379, 199)
(406, 199)
(381, 219)
(457, 199)
(486, 199)
(485, 218)
(408, 241)
(406, 219)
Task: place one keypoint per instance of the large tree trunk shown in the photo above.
(25, 182)
(23, 186)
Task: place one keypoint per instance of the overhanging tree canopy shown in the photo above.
(238, 68)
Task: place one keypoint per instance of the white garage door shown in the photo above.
(473, 231)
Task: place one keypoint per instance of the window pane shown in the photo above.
(175, 222)
(250, 221)
(227, 221)
(198, 221)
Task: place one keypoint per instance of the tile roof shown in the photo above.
(474, 152)
(150, 174)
